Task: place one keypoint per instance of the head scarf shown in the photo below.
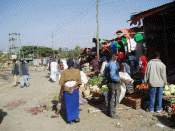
(70, 63)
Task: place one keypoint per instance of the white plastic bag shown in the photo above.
(122, 91)
(126, 77)
(70, 83)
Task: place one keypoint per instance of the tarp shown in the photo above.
(125, 32)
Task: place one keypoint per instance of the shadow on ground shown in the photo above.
(63, 109)
(2, 115)
(165, 121)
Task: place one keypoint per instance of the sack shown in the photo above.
(28, 77)
(126, 77)
(122, 91)
(70, 83)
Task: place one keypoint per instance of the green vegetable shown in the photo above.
(167, 93)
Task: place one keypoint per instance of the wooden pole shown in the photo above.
(97, 32)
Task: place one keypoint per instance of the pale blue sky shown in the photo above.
(70, 21)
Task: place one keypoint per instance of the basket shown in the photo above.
(86, 93)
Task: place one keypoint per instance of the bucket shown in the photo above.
(120, 55)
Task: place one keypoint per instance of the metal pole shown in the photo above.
(97, 32)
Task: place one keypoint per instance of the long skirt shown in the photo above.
(72, 105)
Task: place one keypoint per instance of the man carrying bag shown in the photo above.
(112, 74)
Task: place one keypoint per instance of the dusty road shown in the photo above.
(42, 91)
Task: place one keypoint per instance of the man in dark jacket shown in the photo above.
(24, 71)
(111, 72)
(15, 72)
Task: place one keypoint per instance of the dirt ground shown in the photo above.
(42, 92)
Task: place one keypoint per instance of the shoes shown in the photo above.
(28, 85)
(115, 117)
(22, 86)
(71, 122)
(149, 111)
(76, 120)
(158, 111)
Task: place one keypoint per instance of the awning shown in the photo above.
(126, 32)
(136, 18)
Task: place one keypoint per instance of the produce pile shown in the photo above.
(133, 96)
(98, 84)
(36, 110)
(143, 86)
(169, 90)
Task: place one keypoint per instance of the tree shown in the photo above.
(77, 51)
(34, 51)
(60, 50)
(1, 54)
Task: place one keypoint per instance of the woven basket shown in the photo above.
(86, 92)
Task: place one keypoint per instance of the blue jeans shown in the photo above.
(155, 94)
(53, 75)
(24, 80)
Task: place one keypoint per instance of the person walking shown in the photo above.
(111, 72)
(15, 72)
(24, 71)
(155, 76)
(54, 67)
(70, 81)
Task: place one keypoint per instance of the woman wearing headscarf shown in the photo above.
(70, 81)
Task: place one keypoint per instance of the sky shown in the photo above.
(66, 23)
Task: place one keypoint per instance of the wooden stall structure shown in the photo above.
(159, 32)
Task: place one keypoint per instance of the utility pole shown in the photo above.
(97, 33)
(53, 45)
(37, 50)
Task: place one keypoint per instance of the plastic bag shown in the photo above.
(28, 76)
(122, 91)
(126, 77)
(70, 83)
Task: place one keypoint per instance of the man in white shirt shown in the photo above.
(54, 67)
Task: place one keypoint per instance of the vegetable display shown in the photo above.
(169, 90)
(98, 84)
(143, 86)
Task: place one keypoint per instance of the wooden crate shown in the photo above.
(168, 101)
(142, 92)
(135, 104)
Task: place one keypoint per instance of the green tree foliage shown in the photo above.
(1, 54)
(47, 52)
(29, 51)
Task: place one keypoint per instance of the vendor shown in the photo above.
(95, 64)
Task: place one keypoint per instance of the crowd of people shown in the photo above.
(72, 78)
